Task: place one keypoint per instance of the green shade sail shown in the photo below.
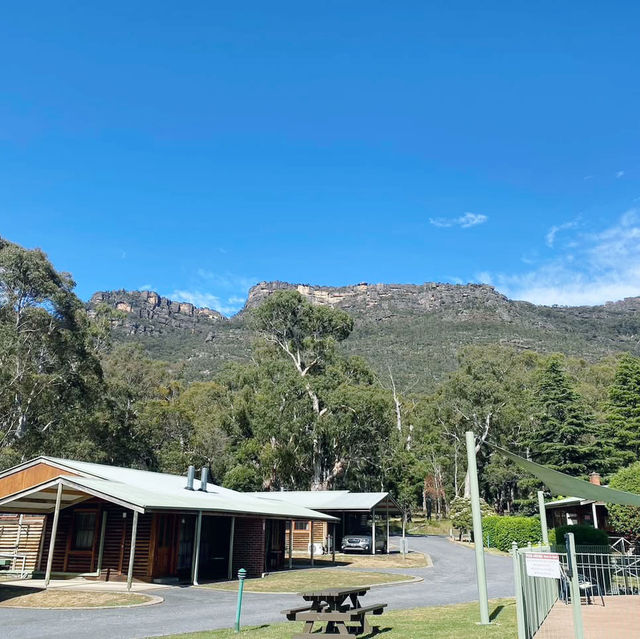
(561, 484)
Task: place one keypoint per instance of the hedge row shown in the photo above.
(500, 532)
(584, 535)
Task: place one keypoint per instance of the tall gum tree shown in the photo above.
(348, 409)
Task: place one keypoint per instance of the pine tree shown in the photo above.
(564, 437)
(623, 411)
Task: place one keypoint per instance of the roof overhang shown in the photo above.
(41, 499)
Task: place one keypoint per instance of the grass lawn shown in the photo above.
(57, 598)
(392, 560)
(301, 580)
(446, 622)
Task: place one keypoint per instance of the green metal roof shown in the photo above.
(147, 491)
(336, 500)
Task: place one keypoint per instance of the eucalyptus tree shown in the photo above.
(340, 431)
(48, 371)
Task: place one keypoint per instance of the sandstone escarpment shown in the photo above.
(149, 313)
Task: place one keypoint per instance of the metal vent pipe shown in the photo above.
(191, 474)
(204, 478)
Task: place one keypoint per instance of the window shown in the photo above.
(301, 525)
(84, 528)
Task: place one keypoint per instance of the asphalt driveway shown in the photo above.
(451, 579)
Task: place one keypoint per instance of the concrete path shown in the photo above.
(451, 579)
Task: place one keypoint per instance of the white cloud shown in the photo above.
(550, 238)
(145, 287)
(204, 299)
(223, 292)
(464, 221)
(619, 174)
(602, 266)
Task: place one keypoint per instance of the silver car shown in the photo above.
(361, 542)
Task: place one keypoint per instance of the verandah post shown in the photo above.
(373, 531)
(132, 550)
(476, 513)
(52, 541)
(103, 528)
(232, 541)
(195, 557)
(290, 544)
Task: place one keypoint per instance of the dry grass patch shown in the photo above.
(27, 597)
(392, 560)
(302, 580)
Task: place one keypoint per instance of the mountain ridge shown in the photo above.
(416, 329)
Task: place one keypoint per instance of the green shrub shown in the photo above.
(460, 513)
(584, 536)
(626, 519)
(501, 532)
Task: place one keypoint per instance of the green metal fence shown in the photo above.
(535, 596)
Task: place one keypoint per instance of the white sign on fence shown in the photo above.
(540, 564)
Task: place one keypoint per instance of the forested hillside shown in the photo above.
(416, 331)
(287, 396)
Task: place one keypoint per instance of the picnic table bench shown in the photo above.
(338, 608)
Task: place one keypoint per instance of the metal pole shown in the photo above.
(404, 528)
(373, 531)
(543, 518)
(242, 573)
(517, 580)
(290, 544)
(232, 539)
(574, 586)
(595, 514)
(132, 550)
(101, 546)
(388, 536)
(333, 543)
(52, 541)
(195, 557)
(476, 512)
(311, 545)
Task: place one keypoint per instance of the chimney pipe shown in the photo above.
(191, 474)
(594, 478)
(203, 479)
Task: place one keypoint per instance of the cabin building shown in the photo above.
(112, 523)
(355, 513)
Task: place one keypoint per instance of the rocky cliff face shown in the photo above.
(380, 300)
(147, 312)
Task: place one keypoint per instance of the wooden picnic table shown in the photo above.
(339, 608)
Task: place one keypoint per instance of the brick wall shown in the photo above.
(249, 546)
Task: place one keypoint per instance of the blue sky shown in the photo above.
(197, 148)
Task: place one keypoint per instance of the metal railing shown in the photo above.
(535, 596)
(15, 558)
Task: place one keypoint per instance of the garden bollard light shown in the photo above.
(242, 574)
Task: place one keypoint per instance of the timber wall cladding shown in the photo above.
(301, 537)
(29, 477)
(117, 542)
(22, 536)
(249, 546)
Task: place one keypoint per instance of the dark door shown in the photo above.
(165, 545)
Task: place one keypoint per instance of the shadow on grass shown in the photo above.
(12, 592)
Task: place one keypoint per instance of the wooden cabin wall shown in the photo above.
(25, 539)
(301, 538)
(117, 542)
